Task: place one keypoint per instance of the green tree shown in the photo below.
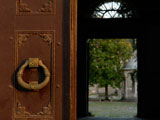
(106, 60)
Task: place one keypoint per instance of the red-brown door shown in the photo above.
(31, 54)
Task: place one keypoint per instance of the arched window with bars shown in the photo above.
(112, 9)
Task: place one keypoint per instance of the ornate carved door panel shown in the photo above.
(31, 59)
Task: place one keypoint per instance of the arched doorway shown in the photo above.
(93, 25)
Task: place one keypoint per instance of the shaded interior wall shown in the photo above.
(149, 65)
(146, 28)
(82, 83)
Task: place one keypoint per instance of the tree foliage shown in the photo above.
(106, 60)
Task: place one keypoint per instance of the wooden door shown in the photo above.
(31, 52)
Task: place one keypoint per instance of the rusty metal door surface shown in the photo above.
(31, 59)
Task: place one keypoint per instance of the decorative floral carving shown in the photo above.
(47, 38)
(21, 110)
(22, 38)
(45, 110)
(23, 7)
(47, 7)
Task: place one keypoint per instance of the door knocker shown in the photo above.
(33, 63)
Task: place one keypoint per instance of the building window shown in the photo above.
(112, 9)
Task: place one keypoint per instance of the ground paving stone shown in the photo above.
(101, 118)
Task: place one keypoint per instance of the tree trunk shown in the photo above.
(106, 92)
(97, 91)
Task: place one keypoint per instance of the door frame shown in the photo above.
(73, 60)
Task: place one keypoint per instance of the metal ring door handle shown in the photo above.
(33, 62)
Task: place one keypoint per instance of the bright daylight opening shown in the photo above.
(113, 78)
(112, 10)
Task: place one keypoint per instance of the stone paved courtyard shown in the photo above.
(102, 118)
(113, 109)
